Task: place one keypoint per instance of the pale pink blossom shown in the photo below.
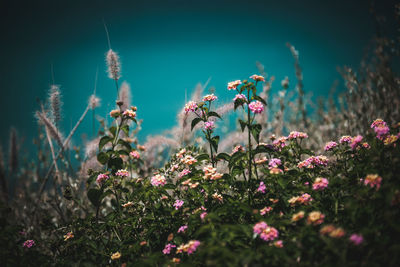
(233, 85)
(256, 107)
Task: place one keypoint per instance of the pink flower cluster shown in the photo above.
(182, 229)
(355, 141)
(134, 154)
(274, 163)
(303, 199)
(345, 139)
(266, 232)
(241, 97)
(189, 248)
(313, 161)
(122, 173)
(257, 78)
(28, 243)
(189, 160)
(261, 188)
(211, 173)
(238, 148)
(256, 107)
(320, 183)
(158, 180)
(168, 247)
(373, 180)
(265, 210)
(129, 113)
(178, 204)
(101, 178)
(211, 97)
(233, 85)
(280, 142)
(209, 125)
(296, 134)
(190, 107)
(203, 215)
(381, 129)
(356, 239)
(330, 146)
(315, 218)
(184, 173)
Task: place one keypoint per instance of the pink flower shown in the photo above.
(265, 210)
(345, 139)
(203, 215)
(129, 113)
(257, 78)
(233, 85)
(330, 145)
(381, 131)
(209, 125)
(184, 172)
(211, 97)
(122, 173)
(101, 178)
(182, 229)
(267, 233)
(274, 163)
(238, 148)
(190, 107)
(356, 141)
(178, 204)
(278, 244)
(28, 243)
(134, 154)
(280, 142)
(158, 180)
(373, 180)
(241, 97)
(189, 248)
(356, 239)
(378, 123)
(256, 107)
(261, 188)
(315, 218)
(296, 134)
(168, 247)
(313, 161)
(320, 183)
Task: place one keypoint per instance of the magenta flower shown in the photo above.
(209, 125)
(313, 161)
(122, 173)
(182, 229)
(280, 142)
(190, 107)
(256, 107)
(320, 184)
(345, 139)
(356, 239)
(274, 163)
(296, 134)
(203, 215)
(267, 233)
(184, 172)
(265, 210)
(28, 243)
(158, 180)
(101, 178)
(373, 180)
(178, 204)
(356, 141)
(241, 97)
(134, 154)
(168, 247)
(261, 188)
(330, 145)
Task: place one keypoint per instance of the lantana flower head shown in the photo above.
(115, 113)
(184, 173)
(330, 146)
(189, 160)
(182, 229)
(238, 148)
(265, 232)
(320, 183)
(315, 218)
(116, 256)
(28, 243)
(190, 107)
(168, 247)
(209, 125)
(266, 210)
(262, 188)
(345, 139)
(122, 173)
(257, 78)
(211, 97)
(373, 180)
(189, 248)
(280, 142)
(158, 180)
(356, 141)
(129, 113)
(274, 162)
(240, 96)
(134, 154)
(101, 178)
(313, 161)
(178, 204)
(278, 244)
(296, 134)
(298, 216)
(68, 235)
(256, 107)
(233, 85)
(356, 239)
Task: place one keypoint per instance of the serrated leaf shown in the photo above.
(195, 121)
(102, 157)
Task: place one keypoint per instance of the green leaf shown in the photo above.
(113, 130)
(238, 102)
(214, 114)
(125, 144)
(203, 157)
(195, 121)
(243, 124)
(103, 141)
(115, 163)
(102, 157)
(125, 129)
(255, 131)
(214, 142)
(94, 196)
(237, 170)
(259, 98)
(223, 156)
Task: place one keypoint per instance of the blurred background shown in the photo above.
(166, 48)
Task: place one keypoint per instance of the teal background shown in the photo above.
(167, 47)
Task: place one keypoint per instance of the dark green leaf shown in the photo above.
(203, 157)
(125, 129)
(103, 141)
(255, 131)
(195, 121)
(223, 156)
(214, 114)
(115, 163)
(243, 124)
(102, 157)
(113, 130)
(259, 98)
(214, 142)
(94, 196)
